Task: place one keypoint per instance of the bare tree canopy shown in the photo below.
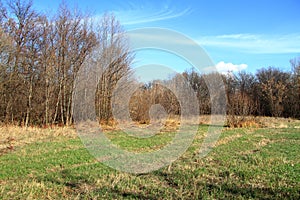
(41, 55)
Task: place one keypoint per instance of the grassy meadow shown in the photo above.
(247, 163)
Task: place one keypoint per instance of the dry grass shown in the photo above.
(272, 122)
(261, 122)
(15, 136)
(246, 163)
(172, 124)
(228, 139)
(168, 125)
(234, 121)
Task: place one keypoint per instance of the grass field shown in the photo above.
(247, 163)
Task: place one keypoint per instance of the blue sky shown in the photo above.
(236, 34)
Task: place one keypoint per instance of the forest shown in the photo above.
(41, 54)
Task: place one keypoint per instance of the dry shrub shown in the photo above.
(234, 121)
(229, 139)
(205, 119)
(171, 125)
(108, 125)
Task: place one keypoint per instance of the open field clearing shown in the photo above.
(175, 87)
(247, 163)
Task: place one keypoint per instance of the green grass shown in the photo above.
(246, 164)
(135, 144)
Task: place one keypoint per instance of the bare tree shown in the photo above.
(74, 40)
(40, 56)
(114, 60)
(21, 26)
(150, 94)
(273, 85)
(293, 102)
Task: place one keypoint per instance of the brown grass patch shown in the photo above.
(278, 122)
(15, 136)
(234, 121)
(228, 139)
(168, 125)
(263, 142)
(258, 146)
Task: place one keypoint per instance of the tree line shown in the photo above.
(269, 92)
(40, 56)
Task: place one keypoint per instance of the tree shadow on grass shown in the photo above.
(256, 192)
(77, 184)
(225, 189)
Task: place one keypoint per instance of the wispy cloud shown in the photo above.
(241, 43)
(251, 43)
(152, 12)
(238, 36)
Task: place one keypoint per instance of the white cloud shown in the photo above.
(251, 43)
(223, 67)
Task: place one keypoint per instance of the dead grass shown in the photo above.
(15, 136)
(245, 164)
(169, 125)
(12, 137)
(234, 121)
(261, 122)
(228, 139)
(272, 122)
(258, 146)
(172, 124)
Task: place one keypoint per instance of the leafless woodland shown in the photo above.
(40, 56)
